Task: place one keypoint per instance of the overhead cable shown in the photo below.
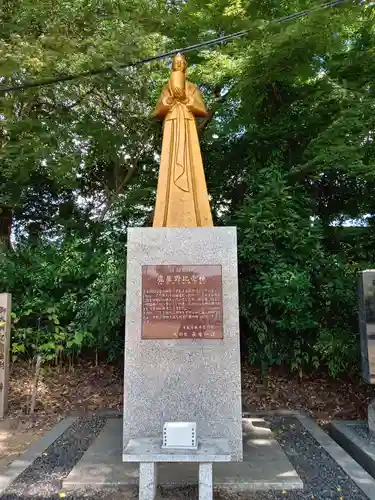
(190, 48)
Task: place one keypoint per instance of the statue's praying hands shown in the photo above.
(182, 198)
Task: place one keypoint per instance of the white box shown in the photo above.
(180, 435)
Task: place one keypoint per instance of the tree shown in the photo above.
(288, 152)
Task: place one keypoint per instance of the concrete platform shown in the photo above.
(265, 465)
(353, 436)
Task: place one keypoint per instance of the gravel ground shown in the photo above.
(322, 477)
(43, 478)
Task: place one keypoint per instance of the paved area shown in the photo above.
(17, 434)
(265, 465)
(325, 469)
(11, 471)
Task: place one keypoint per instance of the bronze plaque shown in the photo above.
(182, 302)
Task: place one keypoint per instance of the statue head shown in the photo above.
(179, 63)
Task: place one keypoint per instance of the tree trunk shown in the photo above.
(6, 218)
(34, 389)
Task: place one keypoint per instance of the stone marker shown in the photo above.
(357, 437)
(366, 315)
(181, 370)
(5, 320)
(182, 354)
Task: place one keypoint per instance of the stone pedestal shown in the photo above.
(147, 480)
(366, 314)
(183, 379)
(149, 453)
(265, 465)
(5, 320)
(205, 481)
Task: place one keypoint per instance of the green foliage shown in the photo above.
(289, 158)
(65, 299)
(36, 332)
(294, 296)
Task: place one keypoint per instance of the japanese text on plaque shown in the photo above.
(182, 302)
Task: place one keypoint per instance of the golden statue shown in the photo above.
(181, 197)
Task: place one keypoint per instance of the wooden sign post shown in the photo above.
(5, 320)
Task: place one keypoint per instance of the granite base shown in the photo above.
(183, 379)
(371, 418)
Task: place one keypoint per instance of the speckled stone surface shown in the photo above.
(355, 438)
(146, 449)
(371, 418)
(183, 379)
(361, 428)
(147, 481)
(366, 316)
(205, 481)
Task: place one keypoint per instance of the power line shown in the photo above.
(191, 48)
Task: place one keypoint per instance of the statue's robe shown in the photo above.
(181, 198)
